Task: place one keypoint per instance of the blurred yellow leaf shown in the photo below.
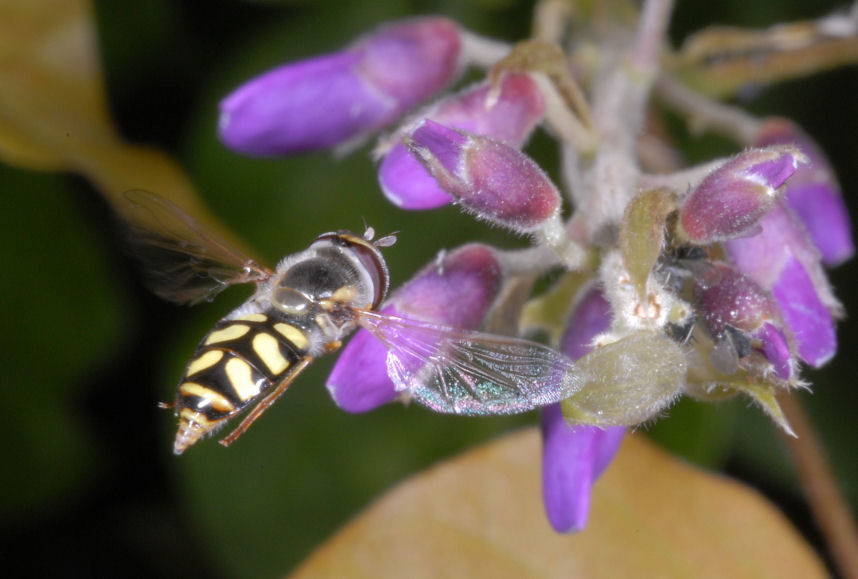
(480, 515)
(53, 109)
(721, 61)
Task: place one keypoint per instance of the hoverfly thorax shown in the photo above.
(320, 287)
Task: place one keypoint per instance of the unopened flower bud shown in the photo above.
(813, 193)
(456, 290)
(732, 199)
(783, 260)
(510, 118)
(488, 178)
(339, 97)
(726, 297)
(573, 458)
(730, 301)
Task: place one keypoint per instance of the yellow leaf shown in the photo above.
(481, 515)
(53, 109)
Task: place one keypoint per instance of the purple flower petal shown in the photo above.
(775, 171)
(359, 380)
(804, 314)
(567, 471)
(407, 184)
(299, 107)
(776, 350)
(608, 442)
(457, 291)
(339, 97)
(823, 212)
(813, 192)
(592, 316)
(519, 106)
(572, 460)
(410, 60)
(445, 145)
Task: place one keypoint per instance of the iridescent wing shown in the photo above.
(182, 261)
(462, 372)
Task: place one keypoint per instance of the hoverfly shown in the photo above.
(304, 308)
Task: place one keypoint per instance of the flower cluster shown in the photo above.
(706, 281)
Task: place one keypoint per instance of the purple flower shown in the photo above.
(733, 198)
(510, 118)
(457, 291)
(783, 260)
(488, 178)
(573, 458)
(332, 99)
(813, 193)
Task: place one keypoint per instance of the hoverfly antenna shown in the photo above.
(387, 240)
(368, 230)
(369, 233)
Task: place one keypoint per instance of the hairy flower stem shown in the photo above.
(655, 18)
(707, 114)
(483, 52)
(620, 98)
(550, 19)
(827, 503)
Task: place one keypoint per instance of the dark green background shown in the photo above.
(89, 485)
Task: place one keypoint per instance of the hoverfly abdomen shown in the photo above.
(237, 362)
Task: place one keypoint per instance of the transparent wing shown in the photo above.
(182, 261)
(462, 372)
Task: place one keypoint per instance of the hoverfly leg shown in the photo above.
(167, 405)
(263, 404)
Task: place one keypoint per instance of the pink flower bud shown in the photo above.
(456, 291)
(511, 118)
(813, 193)
(726, 297)
(731, 301)
(733, 198)
(335, 98)
(492, 180)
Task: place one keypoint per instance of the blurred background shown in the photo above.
(90, 487)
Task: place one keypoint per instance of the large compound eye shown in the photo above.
(374, 267)
(369, 263)
(291, 301)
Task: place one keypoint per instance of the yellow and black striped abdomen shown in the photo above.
(236, 363)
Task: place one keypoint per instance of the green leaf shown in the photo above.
(642, 234)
